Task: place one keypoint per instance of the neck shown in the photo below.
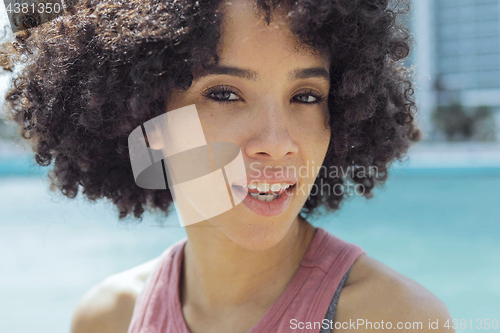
(218, 274)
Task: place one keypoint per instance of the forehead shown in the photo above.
(247, 37)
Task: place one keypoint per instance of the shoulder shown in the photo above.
(108, 306)
(375, 293)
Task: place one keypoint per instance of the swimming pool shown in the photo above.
(439, 227)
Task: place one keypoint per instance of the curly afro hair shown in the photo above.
(105, 67)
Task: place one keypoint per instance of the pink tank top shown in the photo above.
(306, 299)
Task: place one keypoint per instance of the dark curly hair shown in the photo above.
(105, 67)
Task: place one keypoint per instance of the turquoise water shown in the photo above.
(439, 227)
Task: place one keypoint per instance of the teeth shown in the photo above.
(276, 187)
(267, 192)
(263, 187)
(265, 197)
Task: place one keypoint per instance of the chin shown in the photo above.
(256, 233)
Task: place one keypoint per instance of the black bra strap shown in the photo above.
(330, 313)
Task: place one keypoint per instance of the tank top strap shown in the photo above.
(312, 288)
(154, 309)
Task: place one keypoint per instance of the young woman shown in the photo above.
(296, 85)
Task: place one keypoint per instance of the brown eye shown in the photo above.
(222, 94)
(306, 98)
(309, 97)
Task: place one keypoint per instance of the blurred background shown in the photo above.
(436, 220)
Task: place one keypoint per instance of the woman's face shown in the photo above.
(269, 97)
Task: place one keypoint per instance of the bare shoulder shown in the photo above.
(108, 306)
(373, 292)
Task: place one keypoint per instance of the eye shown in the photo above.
(222, 94)
(309, 97)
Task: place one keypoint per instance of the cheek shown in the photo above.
(224, 125)
(311, 132)
(217, 128)
(313, 139)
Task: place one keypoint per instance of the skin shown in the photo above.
(238, 263)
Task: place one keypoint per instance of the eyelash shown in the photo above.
(219, 90)
(226, 89)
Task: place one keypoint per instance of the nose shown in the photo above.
(270, 138)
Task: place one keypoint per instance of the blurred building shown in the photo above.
(457, 57)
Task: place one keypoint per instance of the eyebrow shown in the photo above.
(297, 74)
(306, 73)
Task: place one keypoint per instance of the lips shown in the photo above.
(266, 192)
(265, 203)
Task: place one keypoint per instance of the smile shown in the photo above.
(266, 199)
(267, 192)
